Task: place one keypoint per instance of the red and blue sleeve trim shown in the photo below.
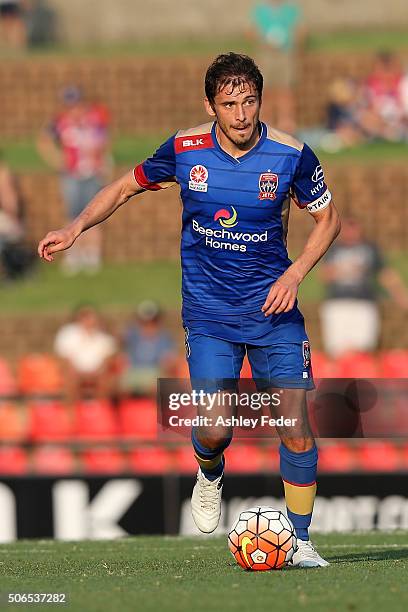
(142, 180)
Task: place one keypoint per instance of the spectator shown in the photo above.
(88, 354)
(376, 108)
(351, 270)
(344, 129)
(14, 256)
(76, 144)
(41, 23)
(404, 101)
(277, 22)
(13, 31)
(382, 115)
(149, 349)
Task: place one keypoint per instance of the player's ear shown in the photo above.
(208, 107)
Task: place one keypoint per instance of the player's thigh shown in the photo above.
(210, 359)
(286, 365)
(215, 367)
(285, 370)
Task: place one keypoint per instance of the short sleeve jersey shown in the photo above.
(235, 212)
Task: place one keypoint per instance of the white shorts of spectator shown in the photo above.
(349, 325)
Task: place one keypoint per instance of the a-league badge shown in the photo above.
(306, 353)
(268, 185)
(198, 178)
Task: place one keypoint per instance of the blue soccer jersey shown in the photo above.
(235, 212)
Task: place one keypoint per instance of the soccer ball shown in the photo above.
(262, 539)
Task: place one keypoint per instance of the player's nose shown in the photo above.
(240, 113)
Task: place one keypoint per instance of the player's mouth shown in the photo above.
(241, 128)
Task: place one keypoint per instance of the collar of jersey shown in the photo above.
(242, 158)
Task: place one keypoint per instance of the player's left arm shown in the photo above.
(309, 192)
(283, 293)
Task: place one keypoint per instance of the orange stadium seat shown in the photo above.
(13, 461)
(106, 460)
(138, 419)
(151, 460)
(358, 365)
(39, 374)
(244, 458)
(95, 420)
(184, 460)
(8, 385)
(394, 364)
(336, 457)
(404, 457)
(323, 366)
(378, 456)
(53, 460)
(271, 458)
(12, 424)
(50, 422)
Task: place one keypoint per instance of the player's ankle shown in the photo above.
(302, 534)
(215, 472)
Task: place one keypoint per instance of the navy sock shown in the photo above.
(210, 460)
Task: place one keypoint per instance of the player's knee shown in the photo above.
(298, 445)
(216, 439)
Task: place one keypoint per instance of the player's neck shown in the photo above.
(231, 147)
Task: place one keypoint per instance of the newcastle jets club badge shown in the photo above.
(268, 185)
(306, 353)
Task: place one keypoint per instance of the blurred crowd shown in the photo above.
(25, 23)
(372, 108)
(16, 258)
(355, 273)
(75, 144)
(375, 108)
(99, 364)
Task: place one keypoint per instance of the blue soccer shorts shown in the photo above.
(277, 347)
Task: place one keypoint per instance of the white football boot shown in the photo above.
(307, 556)
(206, 502)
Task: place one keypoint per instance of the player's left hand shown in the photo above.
(282, 295)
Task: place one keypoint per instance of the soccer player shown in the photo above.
(237, 176)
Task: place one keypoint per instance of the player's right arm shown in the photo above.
(102, 206)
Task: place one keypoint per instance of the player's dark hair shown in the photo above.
(232, 70)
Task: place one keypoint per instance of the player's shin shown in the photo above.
(298, 472)
(210, 460)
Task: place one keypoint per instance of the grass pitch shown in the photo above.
(174, 574)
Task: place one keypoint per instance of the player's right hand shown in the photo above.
(58, 240)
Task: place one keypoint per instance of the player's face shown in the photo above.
(237, 113)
